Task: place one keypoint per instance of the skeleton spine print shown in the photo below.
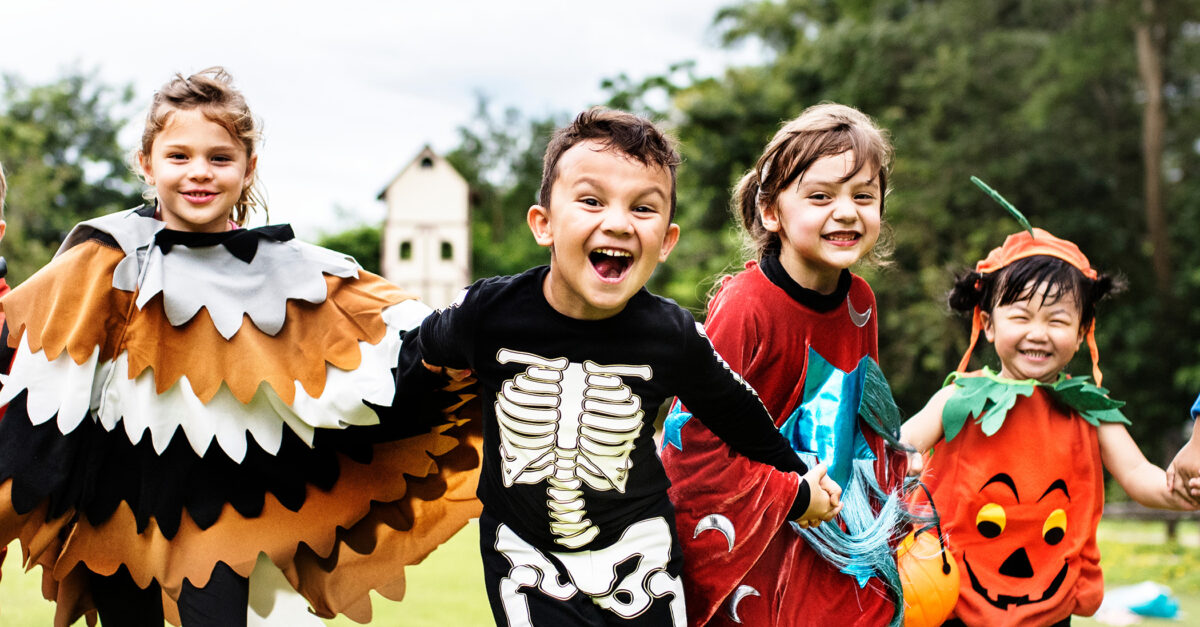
(568, 424)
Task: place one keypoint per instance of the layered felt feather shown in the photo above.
(188, 398)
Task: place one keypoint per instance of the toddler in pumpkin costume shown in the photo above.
(1014, 459)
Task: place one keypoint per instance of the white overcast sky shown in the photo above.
(350, 90)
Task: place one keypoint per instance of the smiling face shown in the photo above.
(198, 171)
(1035, 336)
(607, 226)
(826, 222)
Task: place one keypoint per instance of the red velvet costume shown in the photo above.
(765, 334)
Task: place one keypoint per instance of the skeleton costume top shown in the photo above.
(178, 399)
(808, 355)
(569, 405)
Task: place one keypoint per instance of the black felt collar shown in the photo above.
(812, 299)
(241, 243)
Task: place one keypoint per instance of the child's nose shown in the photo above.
(199, 169)
(616, 220)
(843, 209)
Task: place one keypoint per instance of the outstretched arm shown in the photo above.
(924, 429)
(1143, 481)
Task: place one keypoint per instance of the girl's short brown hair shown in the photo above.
(210, 91)
(823, 130)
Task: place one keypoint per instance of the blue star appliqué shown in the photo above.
(826, 424)
(672, 425)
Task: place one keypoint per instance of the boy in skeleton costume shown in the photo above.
(573, 361)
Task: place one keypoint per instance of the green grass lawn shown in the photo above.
(447, 588)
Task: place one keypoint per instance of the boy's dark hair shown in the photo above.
(1024, 277)
(622, 132)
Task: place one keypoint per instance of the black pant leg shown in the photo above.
(121, 603)
(220, 603)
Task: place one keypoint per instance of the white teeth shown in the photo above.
(613, 252)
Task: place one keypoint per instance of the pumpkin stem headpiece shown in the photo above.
(1028, 243)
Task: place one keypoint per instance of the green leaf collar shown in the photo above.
(989, 397)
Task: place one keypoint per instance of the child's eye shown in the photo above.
(591, 202)
(222, 158)
(644, 209)
(819, 197)
(176, 156)
(864, 197)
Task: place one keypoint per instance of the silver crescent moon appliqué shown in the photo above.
(718, 522)
(742, 592)
(859, 319)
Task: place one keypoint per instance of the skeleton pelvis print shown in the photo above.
(568, 424)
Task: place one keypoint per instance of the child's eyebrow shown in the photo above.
(598, 183)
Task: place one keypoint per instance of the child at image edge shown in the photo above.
(573, 361)
(800, 328)
(1017, 459)
(192, 402)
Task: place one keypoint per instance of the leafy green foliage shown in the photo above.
(988, 398)
(1092, 402)
(983, 398)
(501, 159)
(58, 143)
(363, 243)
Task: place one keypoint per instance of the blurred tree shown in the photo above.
(362, 242)
(58, 143)
(1065, 106)
(1043, 100)
(501, 159)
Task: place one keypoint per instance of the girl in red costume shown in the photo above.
(801, 329)
(1017, 459)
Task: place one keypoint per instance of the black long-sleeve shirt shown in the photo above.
(569, 405)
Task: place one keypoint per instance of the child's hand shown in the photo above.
(454, 373)
(825, 498)
(916, 461)
(1183, 475)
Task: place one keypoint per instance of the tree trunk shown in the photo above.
(1149, 37)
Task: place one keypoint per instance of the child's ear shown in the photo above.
(669, 241)
(3, 226)
(144, 166)
(539, 223)
(769, 215)
(251, 165)
(989, 330)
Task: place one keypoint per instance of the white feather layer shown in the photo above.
(64, 388)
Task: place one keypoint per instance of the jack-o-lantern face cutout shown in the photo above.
(1017, 556)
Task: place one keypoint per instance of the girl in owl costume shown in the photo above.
(191, 402)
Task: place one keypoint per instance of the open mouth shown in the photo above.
(842, 238)
(1036, 355)
(611, 263)
(199, 196)
(1003, 601)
